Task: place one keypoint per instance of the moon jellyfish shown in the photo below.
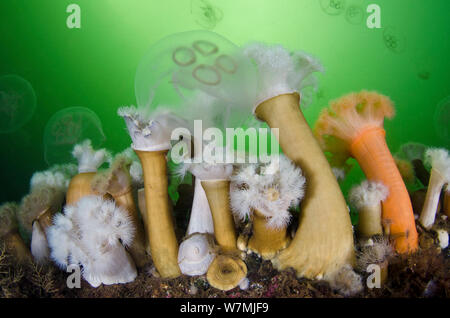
(442, 120)
(205, 14)
(17, 103)
(354, 14)
(68, 127)
(423, 65)
(182, 65)
(424, 74)
(332, 7)
(394, 40)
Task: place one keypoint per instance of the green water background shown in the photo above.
(95, 66)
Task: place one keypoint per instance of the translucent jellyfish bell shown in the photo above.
(354, 14)
(332, 7)
(394, 39)
(187, 62)
(205, 14)
(442, 120)
(17, 103)
(68, 127)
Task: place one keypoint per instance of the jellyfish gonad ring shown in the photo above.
(205, 48)
(206, 68)
(183, 50)
(226, 64)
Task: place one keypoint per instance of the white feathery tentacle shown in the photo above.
(280, 72)
(368, 193)
(89, 160)
(150, 132)
(271, 189)
(93, 233)
(57, 176)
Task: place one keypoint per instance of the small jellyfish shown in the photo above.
(394, 39)
(332, 7)
(205, 14)
(424, 75)
(17, 103)
(442, 120)
(68, 127)
(354, 14)
(423, 64)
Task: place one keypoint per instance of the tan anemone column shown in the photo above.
(217, 192)
(227, 270)
(369, 223)
(89, 160)
(266, 241)
(159, 223)
(143, 208)
(138, 248)
(80, 186)
(324, 239)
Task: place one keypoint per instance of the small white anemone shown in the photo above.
(269, 188)
(439, 160)
(150, 132)
(93, 234)
(57, 176)
(89, 160)
(135, 169)
(281, 72)
(368, 193)
(210, 165)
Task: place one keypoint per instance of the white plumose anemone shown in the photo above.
(280, 72)
(89, 160)
(269, 188)
(93, 233)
